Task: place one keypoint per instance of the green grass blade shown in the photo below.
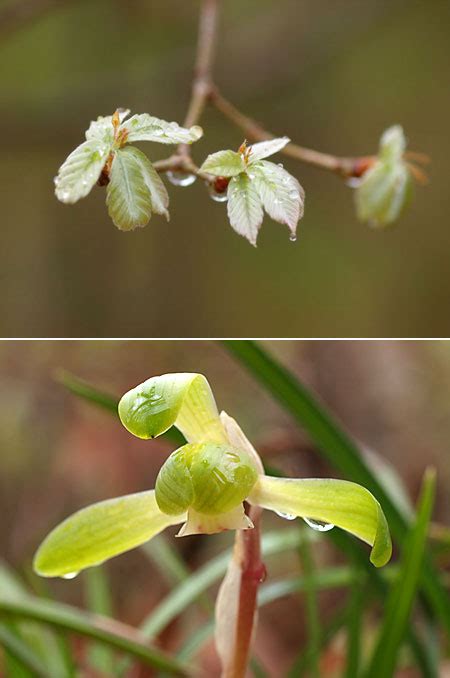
(166, 558)
(311, 608)
(200, 580)
(329, 631)
(118, 635)
(20, 654)
(48, 646)
(358, 600)
(337, 447)
(332, 578)
(404, 590)
(377, 580)
(98, 600)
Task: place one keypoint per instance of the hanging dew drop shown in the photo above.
(218, 196)
(70, 575)
(286, 516)
(354, 182)
(181, 178)
(318, 525)
(292, 237)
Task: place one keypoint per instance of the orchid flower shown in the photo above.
(202, 486)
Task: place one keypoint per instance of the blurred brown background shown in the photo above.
(332, 75)
(58, 454)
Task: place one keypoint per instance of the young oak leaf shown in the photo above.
(135, 189)
(256, 184)
(128, 197)
(145, 127)
(81, 171)
(386, 187)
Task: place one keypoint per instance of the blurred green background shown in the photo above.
(58, 453)
(332, 75)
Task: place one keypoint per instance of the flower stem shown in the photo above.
(248, 553)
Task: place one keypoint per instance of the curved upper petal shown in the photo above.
(184, 400)
(99, 532)
(339, 502)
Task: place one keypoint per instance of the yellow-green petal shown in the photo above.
(99, 532)
(184, 400)
(338, 502)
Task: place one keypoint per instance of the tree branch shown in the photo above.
(202, 82)
(344, 166)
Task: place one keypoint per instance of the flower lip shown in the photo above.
(212, 479)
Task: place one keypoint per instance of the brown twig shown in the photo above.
(181, 163)
(202, 81)
(204, 90)
(253, 130)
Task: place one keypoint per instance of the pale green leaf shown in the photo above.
(128, 196)
(263, 149)
(158, 192)
(80, 172)
(337, 502)
(224, 164)
(184, 400)
(145, 127)
(99, 532)
(103, 129)
(281, 194)
(244, 206)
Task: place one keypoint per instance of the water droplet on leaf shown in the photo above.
(318, 525)
(354, 182)
(181, 178)
(218, 196)
(70, 575)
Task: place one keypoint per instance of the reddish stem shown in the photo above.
(248, 550)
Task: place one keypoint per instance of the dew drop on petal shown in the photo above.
(280, 164)
(181, 178)
(294, 195)
(70, 575)
(318, 525)
(286, 516)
